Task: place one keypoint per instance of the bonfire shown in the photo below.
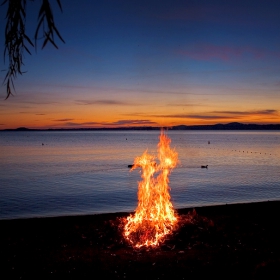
(154, 217)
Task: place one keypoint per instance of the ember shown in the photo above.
(154, 216)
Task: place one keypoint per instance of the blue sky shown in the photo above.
(150, 63)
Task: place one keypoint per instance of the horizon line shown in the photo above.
(217, 126)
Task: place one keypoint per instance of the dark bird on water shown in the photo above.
(204, 166)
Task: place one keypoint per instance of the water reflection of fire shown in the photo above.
(154, 216)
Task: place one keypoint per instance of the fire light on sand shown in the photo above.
(154, 217)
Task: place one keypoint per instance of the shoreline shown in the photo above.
(217, 126)
(236, 240)
(177, 210)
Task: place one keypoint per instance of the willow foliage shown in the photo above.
(17, 42)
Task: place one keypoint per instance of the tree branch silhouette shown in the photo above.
(17, 42)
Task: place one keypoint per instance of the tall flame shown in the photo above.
(154, 216)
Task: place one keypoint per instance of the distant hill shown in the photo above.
(22, 129)
(229, 126)
(219, 126)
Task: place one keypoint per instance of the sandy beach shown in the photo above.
(226, 241)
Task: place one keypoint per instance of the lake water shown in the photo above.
(85, 172)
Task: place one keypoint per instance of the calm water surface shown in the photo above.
(85, 172)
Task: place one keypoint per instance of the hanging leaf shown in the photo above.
(16, 38)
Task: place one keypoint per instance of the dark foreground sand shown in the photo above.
(225, 242)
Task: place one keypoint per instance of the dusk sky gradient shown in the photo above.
(149, 63)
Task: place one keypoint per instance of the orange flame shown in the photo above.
(154, 216)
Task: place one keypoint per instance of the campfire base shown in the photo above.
(226, 241)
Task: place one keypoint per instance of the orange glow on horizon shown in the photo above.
(69, 115)
(42, 123)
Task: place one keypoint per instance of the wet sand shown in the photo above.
(225, 242)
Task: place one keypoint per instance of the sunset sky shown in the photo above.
(149, 63)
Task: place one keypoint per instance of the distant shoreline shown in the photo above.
(229, 126)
